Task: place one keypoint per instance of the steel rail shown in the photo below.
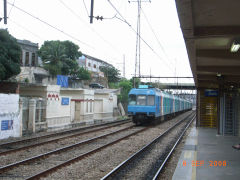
(127, 161)
(45, 155)
(57, 139)
(53, 169)
(171, 151)
(60, 133)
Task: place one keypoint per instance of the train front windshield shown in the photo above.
(141, 100)
(132, 99)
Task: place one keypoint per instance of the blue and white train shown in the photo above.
(146, 104)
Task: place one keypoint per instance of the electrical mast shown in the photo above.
(138, 39)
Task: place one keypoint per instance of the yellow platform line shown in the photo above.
(194, 169)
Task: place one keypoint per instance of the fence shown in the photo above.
(33, 114)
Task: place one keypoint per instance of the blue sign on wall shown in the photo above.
(211, 93)
(65, 101)
(6, 125)
(62, 81)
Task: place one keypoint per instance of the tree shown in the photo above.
(125, 86)
(53, 56)
(111, 73)
(10, 53)
(71, 50)
(81, 74)
(59, 57)
(137, 82)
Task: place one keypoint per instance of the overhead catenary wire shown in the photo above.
(124, 20)
(46, 23)
(159, 43)
(11, 9)
(86, 8)
(26, 29)
(87, 25)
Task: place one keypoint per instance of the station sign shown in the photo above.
(211, 93)
(65, 101)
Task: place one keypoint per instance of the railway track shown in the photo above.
(19, 145)
(53, 160)
(148, 162)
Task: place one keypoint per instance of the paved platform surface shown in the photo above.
(207, 155)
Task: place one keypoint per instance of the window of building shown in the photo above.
(91, 103)
(94, 66)
(89, 64)
(21, 60)
(33, 59)
(27, 59)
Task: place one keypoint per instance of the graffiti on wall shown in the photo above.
(9, 116)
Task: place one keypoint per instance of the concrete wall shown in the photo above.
(104, 104)
(10, 116)
(33, 74)
(57, 115)
(82, 105)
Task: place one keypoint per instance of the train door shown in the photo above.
(164, 105)
(160, 105)
(157, 106)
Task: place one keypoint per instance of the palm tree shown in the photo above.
(53, 52)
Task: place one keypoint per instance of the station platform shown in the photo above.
(207, 155)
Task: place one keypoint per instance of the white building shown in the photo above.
(51, 107)
(92, 64)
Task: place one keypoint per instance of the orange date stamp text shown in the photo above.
(199, 163)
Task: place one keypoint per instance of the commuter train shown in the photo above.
(147, 104)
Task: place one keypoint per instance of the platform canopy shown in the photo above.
(210, 27)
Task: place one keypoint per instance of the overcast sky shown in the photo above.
(111, 38)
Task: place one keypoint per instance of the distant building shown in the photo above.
(92, 64)
(32, 70)
(29, 55)
(29, 62)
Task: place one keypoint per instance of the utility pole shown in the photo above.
(138, 39)
(5, 11)
(91, 11)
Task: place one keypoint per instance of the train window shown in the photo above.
(141, 100)
(132, 99)
(151, 101)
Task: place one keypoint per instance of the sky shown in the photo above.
(163, 52)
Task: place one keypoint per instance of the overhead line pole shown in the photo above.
(5, 11)
(139, 40)
(91, 11)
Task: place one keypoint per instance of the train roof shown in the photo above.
(151, 91)
(145, 89)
